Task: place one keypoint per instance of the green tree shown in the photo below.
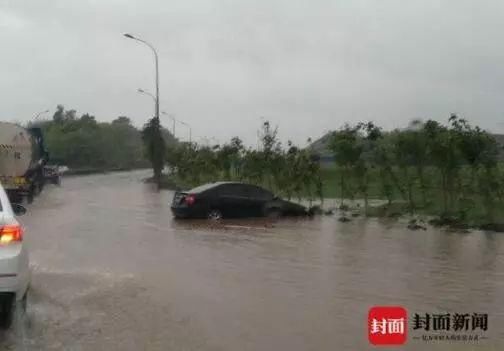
(83, 143)
(347, 151)
(270, 150)
(155, 146)
(443, 154)
(59, 114)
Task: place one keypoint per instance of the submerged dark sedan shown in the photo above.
(232, 200)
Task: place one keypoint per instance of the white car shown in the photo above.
(14, 267)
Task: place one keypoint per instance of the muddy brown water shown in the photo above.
(111, 270)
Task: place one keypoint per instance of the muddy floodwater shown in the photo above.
(112, 270)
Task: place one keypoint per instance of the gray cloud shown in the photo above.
(306, 66)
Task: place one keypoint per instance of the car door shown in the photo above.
(258, 197)
(233, 200)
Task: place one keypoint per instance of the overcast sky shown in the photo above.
(307, 66)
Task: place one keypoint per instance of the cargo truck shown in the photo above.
(22, 160)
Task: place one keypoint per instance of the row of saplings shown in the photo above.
(291, 172)
(451, 173)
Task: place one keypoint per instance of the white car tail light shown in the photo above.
(10, 233)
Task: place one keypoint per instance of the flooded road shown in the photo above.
(111, 270)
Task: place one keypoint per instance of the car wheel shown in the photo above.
(214, 215)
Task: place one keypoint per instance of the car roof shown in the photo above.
(208, 186)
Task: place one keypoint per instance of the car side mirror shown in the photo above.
(18, 209)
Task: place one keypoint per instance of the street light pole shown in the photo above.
(170, 116)
(141, 91)
(157, 70)
(156, 145)
(190, 130)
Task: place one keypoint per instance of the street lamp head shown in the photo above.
(141, 90)
(129, 36)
